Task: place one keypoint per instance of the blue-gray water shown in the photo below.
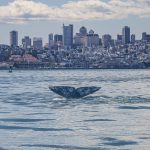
(115, 118)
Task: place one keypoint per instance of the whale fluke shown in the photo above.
(71, 92)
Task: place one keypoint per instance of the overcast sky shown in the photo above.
(38, 18)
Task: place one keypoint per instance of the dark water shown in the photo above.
(115, 118)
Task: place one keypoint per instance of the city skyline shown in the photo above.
(126, 37)
(104, 18)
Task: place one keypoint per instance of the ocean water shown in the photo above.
(117, 117)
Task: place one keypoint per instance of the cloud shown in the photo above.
(22, 11)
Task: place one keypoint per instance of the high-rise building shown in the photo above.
(26, 42)
(133, 38)
(80, 39)
(83, 31)
(145, 36)
(68, 36)
(37, 43)
(13, 38)
(106, 40)
(92, 39)
(50, 40)
(58, 38)
(119, 40)
(77, 39)
(126, 35)
(119, 37)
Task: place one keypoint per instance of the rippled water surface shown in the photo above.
(115, 118)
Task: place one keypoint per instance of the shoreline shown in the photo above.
(38, 69)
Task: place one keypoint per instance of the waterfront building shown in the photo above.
(26, 42)
(126, 35)
(68, 36)
(106, 40)
(29, 58)
(14, 38)
(37, 43)
(50, 40)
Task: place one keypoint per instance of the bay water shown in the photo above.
(117, 117)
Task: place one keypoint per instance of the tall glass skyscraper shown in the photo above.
(50, 40)
(126, 35)
(68, 36)
(13, 38)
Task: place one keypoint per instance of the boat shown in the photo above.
(10, 69)
(72, 92)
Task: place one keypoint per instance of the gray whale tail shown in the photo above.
(71, 92)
